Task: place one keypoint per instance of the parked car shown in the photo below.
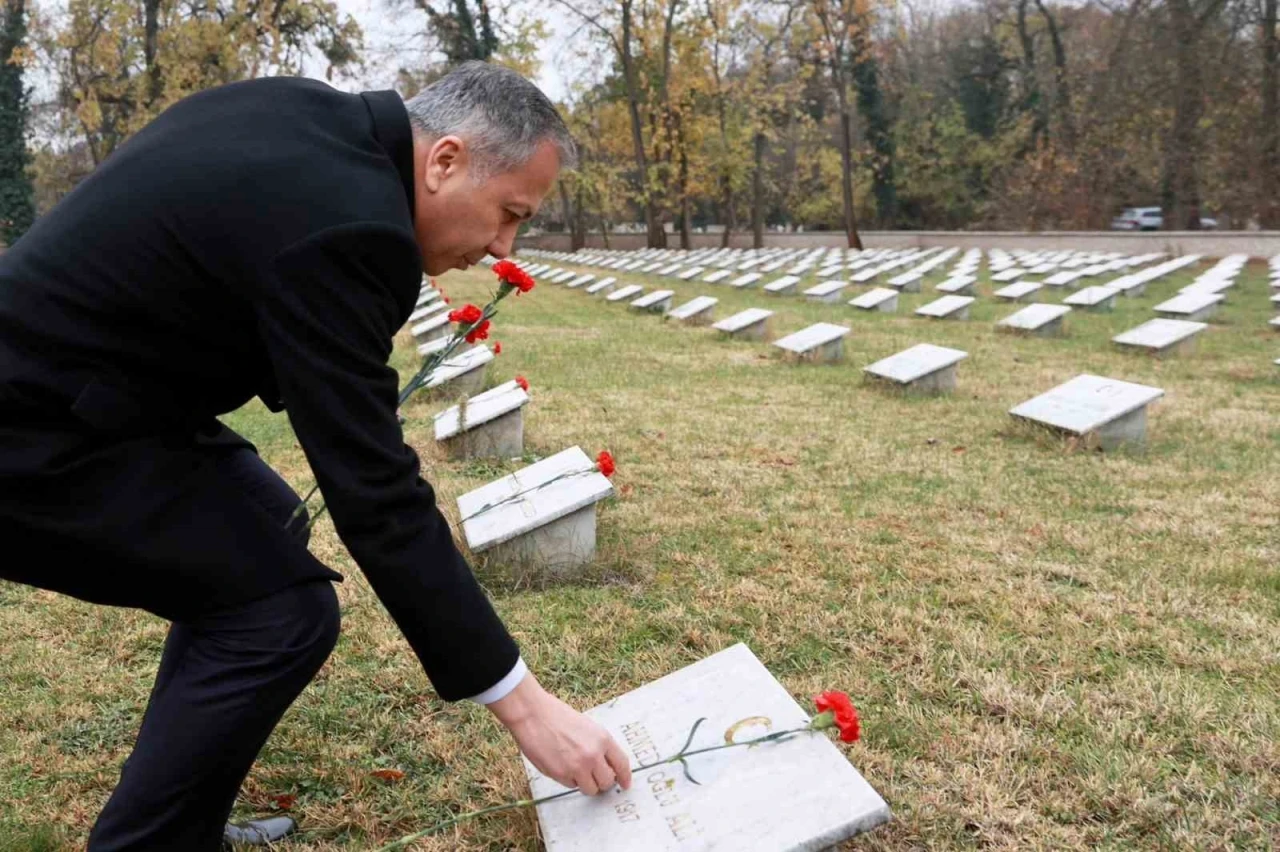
(1149, 219)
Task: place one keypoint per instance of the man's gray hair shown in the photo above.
(503, 117)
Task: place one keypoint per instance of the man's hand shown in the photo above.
(563, 744)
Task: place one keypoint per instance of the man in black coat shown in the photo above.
(267, 239)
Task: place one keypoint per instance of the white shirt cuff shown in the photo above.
(502, 688)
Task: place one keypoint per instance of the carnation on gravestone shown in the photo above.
(523, 383)
(604, 461)
(480, 332)
(836, 710)
(497, 347)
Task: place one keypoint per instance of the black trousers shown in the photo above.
(227, 673)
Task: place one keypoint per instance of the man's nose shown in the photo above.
(501, 245)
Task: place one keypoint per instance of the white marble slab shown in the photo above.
(745, 280)
(625, 293)
(877, 299)
(1159, 334)
(1090, 297)
(480, 409)
(1033, 317)
(602, 284)
(1275, 323)
(650, 301)
(742, 319)
(946, 306)
(827, 290)
(783, 284)
(693, 307)
(540, 500)
(670, 270)
(1013, 273)
(429, 310)
(798, 795)
(915, 363)
(1195, 305)
(1086, 403)
(691, 272)
(1018, 291)
(1062, 279)
(818, 334)
(718, 275)
(774, 265)
(431, 326)
(561, 277)
(459, 363)
(961, 285)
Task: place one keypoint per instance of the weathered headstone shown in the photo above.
(948, 307)
(431, 328)
(1106, 412)
(1161, 336)
(604, 285)
(827, 292)
(718, 275)
(751, 324)
(821, 342)
(562, 277)
(539, 521)
(580, 280)
(488, 425)
(690, 273)
(782, 285)
(626, 293)
(430, 310)
(1040, 320)
(1097, 298)
(697, 311)
(658, 301)
(1019, 291)
(1196, 306)
(924, 368)
(877, 299)
(1013, 273)
(461, 374)
(745, 280)
(797, 795)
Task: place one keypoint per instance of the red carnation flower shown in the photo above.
(447, 301)
(480, 332)
(843, 712)
(522, 382)
(466, 315)
(513, 275)
(604, 461)
(497, 347)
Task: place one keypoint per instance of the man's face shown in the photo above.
(458, 220)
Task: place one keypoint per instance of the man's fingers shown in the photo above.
(603, 776)
(586, 782)
(617, 760)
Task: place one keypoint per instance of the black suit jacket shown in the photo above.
(254, 240)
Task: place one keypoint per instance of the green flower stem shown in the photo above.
(520, 495)
(419, 380)
(679, 757)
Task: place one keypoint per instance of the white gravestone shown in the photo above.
(1039, 320)
(1019, 291)
(1011, 274)
(1096, 298)
(718, 275)
(820, 343)
(745, 280)
(488, 425)
(670, 270)
(652, 267)
(1275, 300)
(958, 285)
(604, 285)
(1161, 336)
(580, 280)
(563, 276)
(461, 374)
(691, 272)
(428, 311)
(796, 795)
(751, 324)
(1275, 323)
(827, 292)
(697, 311)
(431, 328)
(924, 368)
(877, 299)
(627, 293)
(1062, 279)
(1196, 307)
(433, 346)
(782, 285)
(1101, 411)
(658, 302)
(948, 307)
(542, 518)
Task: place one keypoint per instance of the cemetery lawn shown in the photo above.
(1050, 647)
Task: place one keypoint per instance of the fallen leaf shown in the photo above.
(284, 801)
(387, 774)
(957, 449)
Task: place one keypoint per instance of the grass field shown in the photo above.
(1050, 648)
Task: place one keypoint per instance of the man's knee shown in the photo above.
(310, 620)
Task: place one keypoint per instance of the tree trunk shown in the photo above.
(1061, 85)
(757, 193)
(656, 237)
(1269, 214)
(604, 231)
(150, 46)
(686, 240)
(846, 168)
(579, 238)
(1181, 183)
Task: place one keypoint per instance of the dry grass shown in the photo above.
(1051, 649)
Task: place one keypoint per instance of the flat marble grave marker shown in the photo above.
(461, 374)
(658, 302)
(1195, 306)
(718, 275)
(827, 292)
(745, 280)
(580, 280)
(751, 324)
(1096, 298)
(669, 270)
(798, 795)
(1101, 411)
(948, 307)
(628, 292)
(1018, 291)
(924, 368)
(691, 272)
(489, 425)
(604, 285)
(1011, 274)
(536, 525)
(431, 328)
(782, 285)
(1039, 320)
(821, 343)
(697, 311)
(877, 299)
(429, 310)
(1161, 336)
(562, 277)
(1275, 323)
(961, 285)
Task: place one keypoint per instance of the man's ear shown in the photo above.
(446, 157)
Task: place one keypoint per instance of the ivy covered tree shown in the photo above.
(17, 206)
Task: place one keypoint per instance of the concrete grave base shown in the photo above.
(1201, 315)
(1053, 328)
(463, 386)
(938, 382)
(1182, 347)
(827, 353)
(1126, 432)
(910, 287)
(553, 552)
(705, 317)
(762, 330)
(502, 437)
(1135, 291)
(827, 299)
